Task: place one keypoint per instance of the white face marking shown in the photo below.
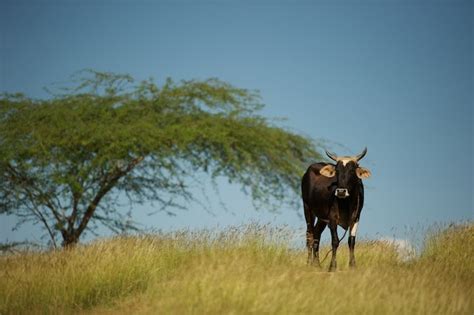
(345, 160)
(354, 229)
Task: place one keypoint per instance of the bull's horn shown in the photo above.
(360, 156)
(331, 155)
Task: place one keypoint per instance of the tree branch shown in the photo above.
(50, 232)
(27, 188)
(106, 186)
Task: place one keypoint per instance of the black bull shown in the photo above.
(334, 195)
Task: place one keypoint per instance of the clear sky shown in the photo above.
(395, 76)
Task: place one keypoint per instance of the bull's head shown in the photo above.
(347, 171)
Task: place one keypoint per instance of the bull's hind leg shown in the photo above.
(318, 230)
(309, 232)
(352, 237)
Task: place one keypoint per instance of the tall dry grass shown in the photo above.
(243, 270)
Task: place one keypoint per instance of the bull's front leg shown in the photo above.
(334, 243)
(352, 237)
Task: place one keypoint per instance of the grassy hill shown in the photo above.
(245, 270)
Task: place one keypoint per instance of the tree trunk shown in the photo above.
(70, 239)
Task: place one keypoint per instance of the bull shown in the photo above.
(333, 194)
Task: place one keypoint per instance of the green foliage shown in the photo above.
(63, 160)
(241, 270)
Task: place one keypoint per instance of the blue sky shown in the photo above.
(395, 76)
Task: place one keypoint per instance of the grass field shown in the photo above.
(244, 270)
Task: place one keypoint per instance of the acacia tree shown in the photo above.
(65, 159)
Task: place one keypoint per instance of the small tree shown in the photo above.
(64, 160)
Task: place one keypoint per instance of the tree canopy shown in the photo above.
(65, 159)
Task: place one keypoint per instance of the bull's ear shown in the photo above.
(328, 171)
(362, 172)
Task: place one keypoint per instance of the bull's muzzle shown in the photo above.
(341, 193)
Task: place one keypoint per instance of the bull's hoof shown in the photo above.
(352, 264)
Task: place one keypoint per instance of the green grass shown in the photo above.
(245, 270)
